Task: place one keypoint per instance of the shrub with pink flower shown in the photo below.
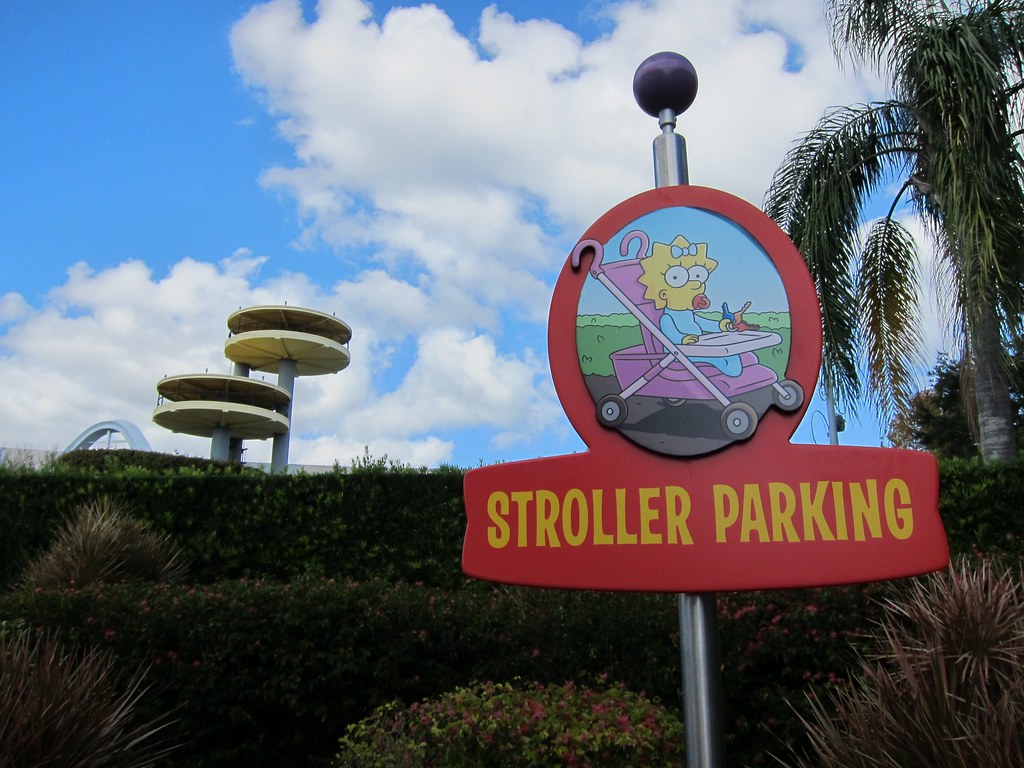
(500, 724)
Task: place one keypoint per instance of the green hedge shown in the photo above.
(120, 459)
(268, 674)
(377, 521)
(982, 506)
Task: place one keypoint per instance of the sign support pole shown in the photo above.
(702, 685)
(698, 636)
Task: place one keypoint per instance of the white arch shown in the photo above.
(101, 429)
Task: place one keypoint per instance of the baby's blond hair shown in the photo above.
(663, 256)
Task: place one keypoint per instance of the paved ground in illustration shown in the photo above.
(683, 428)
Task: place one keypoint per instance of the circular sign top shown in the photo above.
(684, 322)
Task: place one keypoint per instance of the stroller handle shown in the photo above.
(598, 248)
(581, 248)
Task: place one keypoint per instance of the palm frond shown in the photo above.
(956, 66)
(887, 297)
(953, 130)
(872, 32)
(819, 194)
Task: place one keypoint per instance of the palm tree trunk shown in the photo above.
(996, 436)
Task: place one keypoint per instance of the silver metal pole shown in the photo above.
(698, 635)
(702, 683)
(830, 407)
(669, 153)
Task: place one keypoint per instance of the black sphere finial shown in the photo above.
(665, 81)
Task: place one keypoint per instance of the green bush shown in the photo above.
(775, 647)
(66, 709)
(503, 725)
(272, 671)
(102, 543)
(270, 674)
(376, 521)
(942, 684)
(114, 460)
(326, 653)
(379, 520)
(982, 506)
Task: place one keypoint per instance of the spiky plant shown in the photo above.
(62, 709)
(101, 542)
(944, 687)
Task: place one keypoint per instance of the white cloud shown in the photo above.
(105, 338)
(453, 175)
(13, 307)
(97, 348)
(439, 152)
(461, 380)
(326, 450)
(382, 114)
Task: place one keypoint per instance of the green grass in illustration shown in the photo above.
(597, 336)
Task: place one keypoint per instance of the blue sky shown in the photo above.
(128, 136)
(421, 171)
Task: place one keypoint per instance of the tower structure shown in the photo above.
(231, 408)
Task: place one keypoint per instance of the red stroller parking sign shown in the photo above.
(683, 335)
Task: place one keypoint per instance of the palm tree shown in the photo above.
(950, 137)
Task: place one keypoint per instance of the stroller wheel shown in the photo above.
(611, 410)
(739, 421)
(788, 395)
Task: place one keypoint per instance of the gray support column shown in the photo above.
(286, 380)
(235, 446)
(220, 445)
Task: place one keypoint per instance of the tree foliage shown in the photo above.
(950, 137)
(937, 420)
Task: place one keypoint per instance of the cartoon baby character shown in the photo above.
(675, 275)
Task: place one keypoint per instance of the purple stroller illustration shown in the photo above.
(662, 368)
